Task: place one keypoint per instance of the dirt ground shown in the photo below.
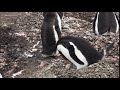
(20, 47)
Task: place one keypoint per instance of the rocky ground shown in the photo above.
(20, 47)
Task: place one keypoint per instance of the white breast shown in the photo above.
(55, 34)
(96, 24)
(66, 53)
(59, 21)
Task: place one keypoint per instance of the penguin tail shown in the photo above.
(106, 50)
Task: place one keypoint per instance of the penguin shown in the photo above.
(105, 22)
(80, 52)
(50, 34)
(61, 14)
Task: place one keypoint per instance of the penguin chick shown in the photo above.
(79, 51)
(105, 22)
(50, 33)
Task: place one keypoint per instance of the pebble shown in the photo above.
(68, 66)
(43, 63)
(116, 64)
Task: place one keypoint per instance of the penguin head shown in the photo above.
(59, 13)
(49, 14)
(69, 50)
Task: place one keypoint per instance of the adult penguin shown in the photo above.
(105, 22)
(61, 14)
(80, 52)
(50, 33)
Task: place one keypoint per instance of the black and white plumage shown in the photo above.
(50, 33)
(105, 22)
(61, 14)
(79, 51)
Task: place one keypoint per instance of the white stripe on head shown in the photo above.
(117, 28)
(96, 24)
(66, 53)
(79, 54)
(59, 21)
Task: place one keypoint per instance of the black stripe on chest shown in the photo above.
(72, 53)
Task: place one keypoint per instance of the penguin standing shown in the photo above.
(50, 33)
(61, 14)
(105, 22)
(80, 52)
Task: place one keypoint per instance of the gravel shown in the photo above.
(20, 56)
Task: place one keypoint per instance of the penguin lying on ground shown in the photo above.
(105, 22)
(50, 33)
(80, 52)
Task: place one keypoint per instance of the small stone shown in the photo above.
(96, 69)
(68, 66)
(43, 63)
(34, 50)
(111, 68)
(116, 64)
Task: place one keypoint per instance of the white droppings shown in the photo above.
(18, 73)
(21, 34)
(27, 54)
(36, 44)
